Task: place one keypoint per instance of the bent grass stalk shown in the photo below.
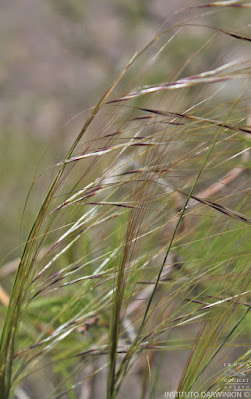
(113, 216)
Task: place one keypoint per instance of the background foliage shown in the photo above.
(134, 278)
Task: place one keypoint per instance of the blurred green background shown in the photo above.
(57, 58)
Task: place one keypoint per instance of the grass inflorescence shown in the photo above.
(141, 246)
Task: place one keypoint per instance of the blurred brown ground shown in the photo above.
(57, 58)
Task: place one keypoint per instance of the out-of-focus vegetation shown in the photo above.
(57, 57)
(152, 201)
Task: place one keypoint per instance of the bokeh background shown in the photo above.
(57, 58)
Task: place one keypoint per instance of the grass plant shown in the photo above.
(144, 231)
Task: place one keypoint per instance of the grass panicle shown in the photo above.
(141, 246)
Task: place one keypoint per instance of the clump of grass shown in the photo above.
(144, 230)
